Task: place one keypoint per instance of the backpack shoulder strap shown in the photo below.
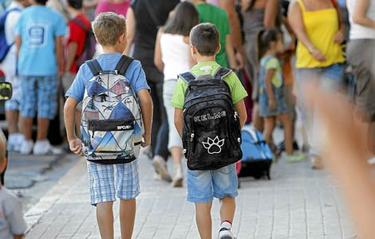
(123, 64)
(187, 76)
(94, 66)
(222, 73)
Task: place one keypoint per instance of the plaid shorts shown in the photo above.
(111, 181)
(39, 94)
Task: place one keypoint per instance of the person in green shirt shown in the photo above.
(226, 56)
(203, 186)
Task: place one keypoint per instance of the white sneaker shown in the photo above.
(43, 147)
(13, 143)
(225, 231)
(20, 138)
(27, 147)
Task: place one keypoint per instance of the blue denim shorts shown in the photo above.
(39, 95)
(204, 185)
(281, 103)
(110, 181)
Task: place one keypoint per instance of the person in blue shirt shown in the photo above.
(39, 38)
(110, 33)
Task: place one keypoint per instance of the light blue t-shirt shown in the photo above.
(134, 74)
(38, 28)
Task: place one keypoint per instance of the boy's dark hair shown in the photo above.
(205, 38)
(265, 38)
(41, 2)
(182, 20)
(76, 4)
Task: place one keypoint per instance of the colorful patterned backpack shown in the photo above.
(111, 126)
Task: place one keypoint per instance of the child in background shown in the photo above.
(205, 185)
(110, 33)
(272, 95)
(172, 56)
(39, 38)
(12, 223)
(9, 66)
(79, 25)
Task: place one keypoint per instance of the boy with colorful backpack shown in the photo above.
(116, 107)
(209, 113)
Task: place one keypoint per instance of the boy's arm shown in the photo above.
(179, 120)
(60, 54)
(70, 55)
(75, 143)
(241, 110)
(147, 111)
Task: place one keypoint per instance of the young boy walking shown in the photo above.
(110, 33)
(39, 38)
(204, 185)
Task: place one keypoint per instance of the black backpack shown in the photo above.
(211, 135)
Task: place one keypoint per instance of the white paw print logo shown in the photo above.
(213, 146)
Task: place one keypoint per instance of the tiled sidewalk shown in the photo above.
(297, 203)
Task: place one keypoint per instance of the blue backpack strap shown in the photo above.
(222, 72)
(123, 64)
(94, 66)
(187, 76)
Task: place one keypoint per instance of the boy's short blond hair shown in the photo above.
(108, 27)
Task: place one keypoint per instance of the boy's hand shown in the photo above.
(75, 146)
(146, 140)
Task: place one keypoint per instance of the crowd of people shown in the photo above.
(275, 47)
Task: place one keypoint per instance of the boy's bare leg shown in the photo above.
(27, 124)
(104, 216)
(43, 124)
(127, 218)
(227, 209)
(12, 121)
(203, 219)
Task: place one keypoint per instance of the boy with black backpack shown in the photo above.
(116, 107)
(209, 113)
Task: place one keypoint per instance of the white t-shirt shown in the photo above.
(10, 61)
(175, 55)
(11, 215)
(358, 31)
